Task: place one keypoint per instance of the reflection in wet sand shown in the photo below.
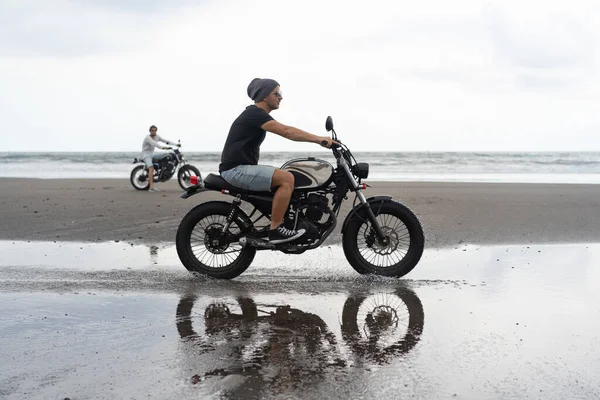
(85, 320)
(276, 349)
(153, 251)
(372, 324)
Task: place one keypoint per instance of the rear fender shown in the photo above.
(374, 202)
(192, 190)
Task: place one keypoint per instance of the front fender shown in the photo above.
(192, 190)
(372, 201)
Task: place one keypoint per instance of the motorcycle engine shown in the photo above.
(317, 205)
(309, 218)
(167, 170)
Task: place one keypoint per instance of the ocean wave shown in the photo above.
(383, 165)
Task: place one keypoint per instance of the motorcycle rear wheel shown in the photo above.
(203, 248)
(396, 259)
(184, 174)
(192, 323)
(139, 178)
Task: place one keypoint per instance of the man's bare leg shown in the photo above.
(284, 182)
(151, 177)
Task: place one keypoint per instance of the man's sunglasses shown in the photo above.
(278, 93)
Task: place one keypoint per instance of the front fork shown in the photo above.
(383, 239)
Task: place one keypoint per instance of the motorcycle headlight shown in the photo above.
(361, 170)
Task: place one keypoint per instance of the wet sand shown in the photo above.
(95, 304)
(97, 210)
(111, 320)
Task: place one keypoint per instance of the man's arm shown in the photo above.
(148, 141)
(295, 134)
(162, 139)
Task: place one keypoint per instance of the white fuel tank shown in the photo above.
(309, 172)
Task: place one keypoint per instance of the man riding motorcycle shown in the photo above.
(239, 159)
(150, 142)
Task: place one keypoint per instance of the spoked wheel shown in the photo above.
(184, 175)
(226, 317)
(204, 247)
(139, 178)
(383, 325)
(398, 254)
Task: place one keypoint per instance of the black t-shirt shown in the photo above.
(242, 146)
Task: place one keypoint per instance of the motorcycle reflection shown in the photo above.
(382, 326)
(278, 347)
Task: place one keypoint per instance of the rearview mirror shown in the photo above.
(329, 124)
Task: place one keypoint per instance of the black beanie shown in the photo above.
(258, 89)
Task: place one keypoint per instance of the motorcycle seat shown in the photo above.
(216, 182)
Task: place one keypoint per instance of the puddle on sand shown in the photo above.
(422, 339)
(507, 264)
(472, 322)
(86, 256)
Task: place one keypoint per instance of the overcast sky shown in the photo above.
(92, 75)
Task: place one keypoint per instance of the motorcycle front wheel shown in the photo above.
(184, 175)
(204, 248)
(382, 326)
(405, 244)
(139, 178)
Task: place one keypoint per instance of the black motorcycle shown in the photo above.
(379, 236)
(165, 166)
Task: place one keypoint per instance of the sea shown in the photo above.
(511, 167)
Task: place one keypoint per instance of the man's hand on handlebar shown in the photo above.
(328, 142)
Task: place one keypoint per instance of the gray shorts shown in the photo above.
(147, 161)
(250, 177)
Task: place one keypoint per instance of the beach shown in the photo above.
(95, 303)
(98, 210)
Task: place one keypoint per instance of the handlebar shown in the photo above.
(333, 145)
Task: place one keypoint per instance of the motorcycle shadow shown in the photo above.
(266, 343)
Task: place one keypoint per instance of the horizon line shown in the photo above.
(315, 151)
